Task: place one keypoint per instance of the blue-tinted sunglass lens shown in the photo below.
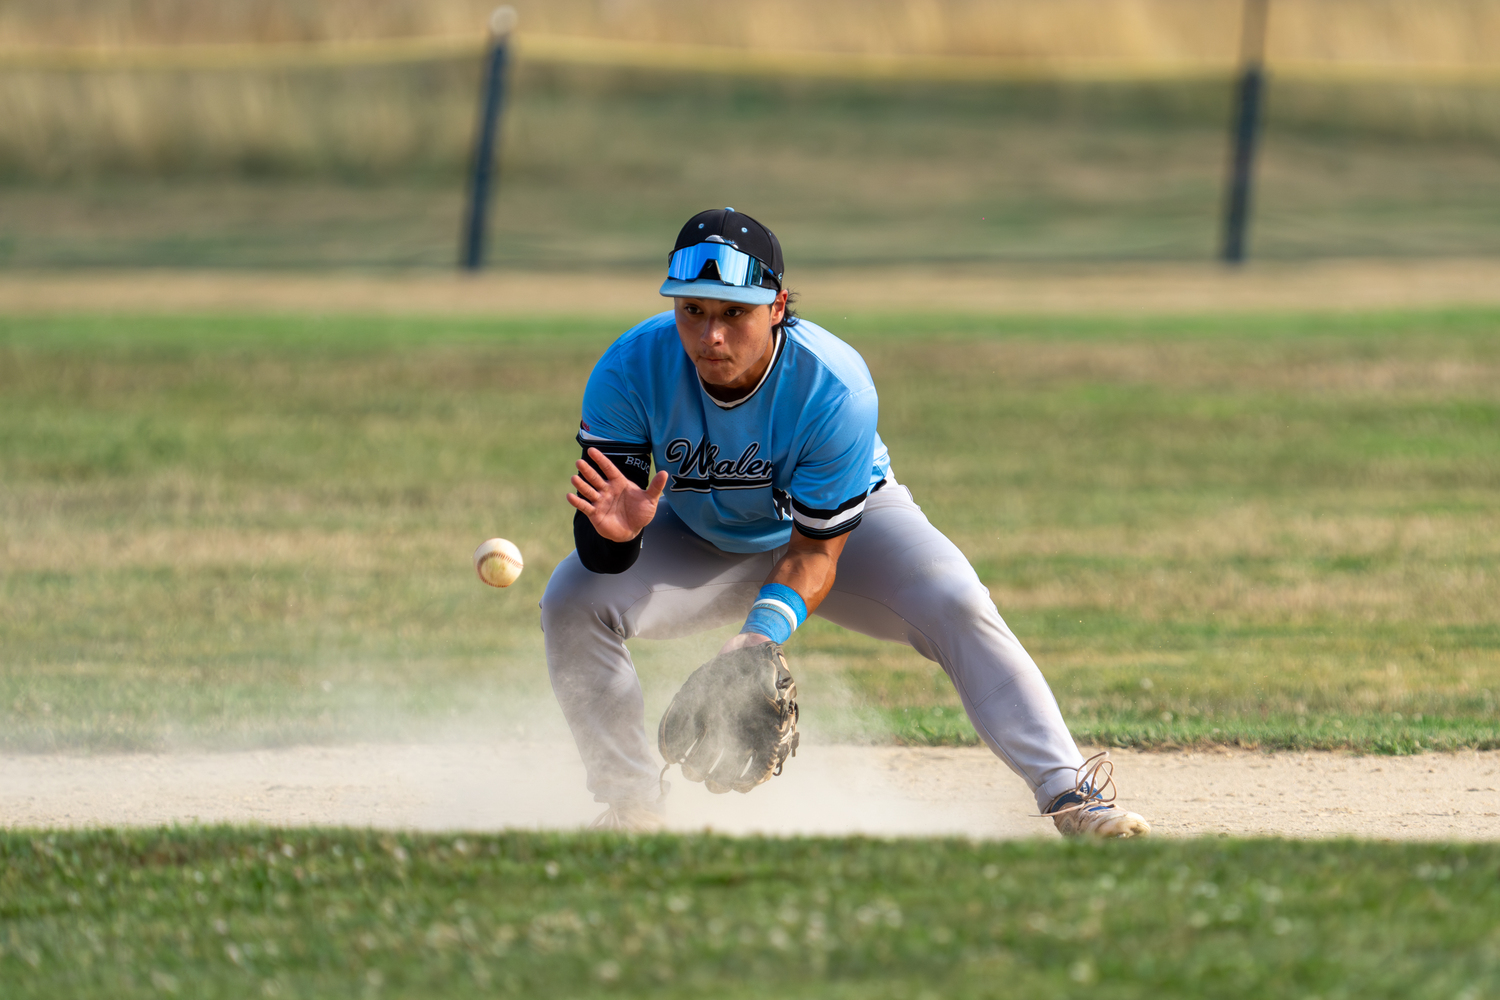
(734, 266)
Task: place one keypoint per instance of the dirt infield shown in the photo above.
(1016, 288)
(886, 791)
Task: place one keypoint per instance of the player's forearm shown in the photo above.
(809, 572)
(797, 585)
(614, 503)
(599, 553)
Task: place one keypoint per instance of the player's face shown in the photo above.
(730, 342)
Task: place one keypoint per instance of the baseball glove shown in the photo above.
(734, 722)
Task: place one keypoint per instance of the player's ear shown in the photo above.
(778, 308)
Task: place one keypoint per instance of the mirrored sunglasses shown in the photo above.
(734, 267)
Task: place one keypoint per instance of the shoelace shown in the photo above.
(609, 819)
(1089, 786)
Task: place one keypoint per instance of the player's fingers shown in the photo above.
(658, 483)
(580, 503)
(590, 474)
(589, 493)
(605, 465)
(703, 758)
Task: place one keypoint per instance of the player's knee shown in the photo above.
(943, 607)
(958, 598)
(946, 609)
(571, 594)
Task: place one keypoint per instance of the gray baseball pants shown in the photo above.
(899, 579)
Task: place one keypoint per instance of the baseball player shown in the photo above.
(773, 499)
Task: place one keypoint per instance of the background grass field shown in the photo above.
(240, 530)
(1439, 33)
(321, 166)
(1269, 530)
(363, 168)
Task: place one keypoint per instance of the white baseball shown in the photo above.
(498, 562)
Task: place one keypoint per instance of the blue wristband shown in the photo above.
(776, 613)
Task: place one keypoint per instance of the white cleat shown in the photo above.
(1101, 820)
(1088, 809)
(630, 817)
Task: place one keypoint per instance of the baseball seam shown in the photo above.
(503, 557)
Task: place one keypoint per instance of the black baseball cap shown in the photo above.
(724, 227)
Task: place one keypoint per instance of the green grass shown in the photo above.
(221, 912)
(1388, 733)
(1277, 531)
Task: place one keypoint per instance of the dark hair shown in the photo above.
(789, 317)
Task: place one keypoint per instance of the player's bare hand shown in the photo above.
(742, 640)
(618, 508)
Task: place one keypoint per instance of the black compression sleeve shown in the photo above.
(597, 553)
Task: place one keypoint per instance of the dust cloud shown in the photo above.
(829, 789)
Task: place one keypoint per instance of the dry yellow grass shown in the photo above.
(207, 113)
(1119, 289)
(155, 123)
(1440, 32)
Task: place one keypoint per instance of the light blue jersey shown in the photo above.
(801, 448)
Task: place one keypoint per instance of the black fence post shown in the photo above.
(482, 180)
(1249, 90)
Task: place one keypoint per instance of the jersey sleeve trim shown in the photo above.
(820, 523)
(587, 441)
